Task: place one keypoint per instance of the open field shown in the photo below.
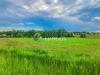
(68, 56)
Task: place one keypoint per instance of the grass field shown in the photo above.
(70, 56)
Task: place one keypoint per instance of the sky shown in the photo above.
(72, 15)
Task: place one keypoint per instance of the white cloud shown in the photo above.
(56, 8)
(56, 1)
(19, 9)
(96, 19)
(40, 5)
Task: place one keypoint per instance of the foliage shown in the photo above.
(70, 34)
(82, 35)
(60, 33)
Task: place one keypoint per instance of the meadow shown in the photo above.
(67, 56)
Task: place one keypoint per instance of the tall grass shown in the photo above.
(67, 57)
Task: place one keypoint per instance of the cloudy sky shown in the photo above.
(72, 15)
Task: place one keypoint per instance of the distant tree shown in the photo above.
(8, 33)
(70, 34)
(19, 34)
(61, 33)
(29, 33)
(82, 35)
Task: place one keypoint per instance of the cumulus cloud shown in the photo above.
(69, 10)
(54, 8)
(96, 19)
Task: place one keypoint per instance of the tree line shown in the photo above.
(60, 33)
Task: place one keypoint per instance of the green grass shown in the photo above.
(71, 56)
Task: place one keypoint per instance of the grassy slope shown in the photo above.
(72, 56)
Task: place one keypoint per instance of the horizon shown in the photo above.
(48, 30)
(73, 15)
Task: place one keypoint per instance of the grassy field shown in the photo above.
(70, 56)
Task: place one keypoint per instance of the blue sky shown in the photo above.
(72, 15)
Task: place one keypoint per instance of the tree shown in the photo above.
(61, 33)
(82, 35)
(70, 34)
(37, 37)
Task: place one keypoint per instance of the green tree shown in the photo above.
(82, 35)
(61, 33)
(70, 34)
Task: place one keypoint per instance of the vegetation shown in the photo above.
(56, 56)
(60, 33)
(82, 35)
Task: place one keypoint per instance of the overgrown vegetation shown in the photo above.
(60, 33)
(71, 56)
